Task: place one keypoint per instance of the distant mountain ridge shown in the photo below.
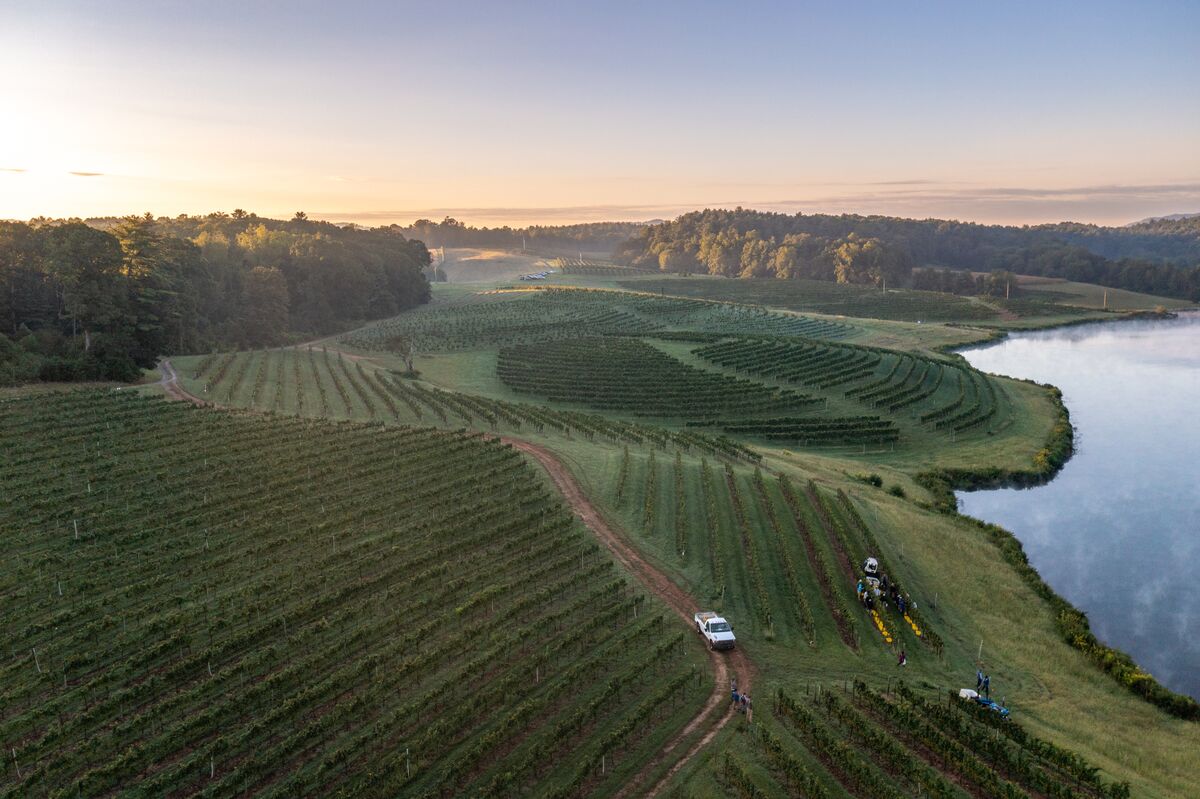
(1164, 218)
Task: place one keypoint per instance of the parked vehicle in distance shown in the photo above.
(715, 630)
(972, 696)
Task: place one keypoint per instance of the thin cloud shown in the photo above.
(87, 174)
(1008, 204)
(904, 183)
(516, 214)
(11, 169)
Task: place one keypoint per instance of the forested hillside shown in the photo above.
(1153, 257)
(568, 239)
(98, 300)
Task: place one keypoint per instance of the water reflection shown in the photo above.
(1118, 531)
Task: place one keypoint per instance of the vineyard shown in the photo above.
(537, 315)
(807, 386)
(272, 602)
(829, 298)
(199, 602)
(896, 743)
(516, 317)
(780, 556)
(622, 374)
(330, 385)
(939, 394)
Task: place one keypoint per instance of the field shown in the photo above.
(897, 743)
(1087, 295)
(519, 316)
(345, 547)
(473, 265)
(206, 603)
(327, 384)
(593, 267)
(827, 298)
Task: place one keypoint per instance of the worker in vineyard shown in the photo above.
(902, 660)
(987, 686)
(749, 709)
(978, 680)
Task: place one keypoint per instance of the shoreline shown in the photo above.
(1072, 622)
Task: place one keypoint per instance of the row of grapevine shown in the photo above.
(818, 364)
(785, 557)
(681, 520)
(513, 318)
(1070, 764)
(621, 374)
(374, 394)
(651, 496)
(716, 553)
(912, 726)
(873, 743)
(262, 612)
(762, 598)
(1022, 764)
(830, 586)
(913, 617)
(817, 430)
(818, 296)
(885, 749)
(725, 318)
(828, 745)
(910, 381)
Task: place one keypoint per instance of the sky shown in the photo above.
(556, 112)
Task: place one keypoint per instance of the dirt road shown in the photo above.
(170, 384)
(716, 712)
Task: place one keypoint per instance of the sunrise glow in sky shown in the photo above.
(555, 112)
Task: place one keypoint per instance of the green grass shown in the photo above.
(1089, 295)
(968, 595)
(827, 298)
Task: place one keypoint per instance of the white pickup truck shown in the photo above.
(715, 630)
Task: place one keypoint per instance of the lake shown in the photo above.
(1117, 532)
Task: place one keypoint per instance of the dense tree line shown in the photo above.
(1168, 239)
(103, 298)
(547, 239)
(883, 250)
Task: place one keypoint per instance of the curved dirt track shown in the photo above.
(170, 384)
(716, 713)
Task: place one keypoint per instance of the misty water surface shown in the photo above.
(1118, 531)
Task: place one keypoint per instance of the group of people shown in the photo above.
(741, 701)
(886, 593)
(983, 684)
